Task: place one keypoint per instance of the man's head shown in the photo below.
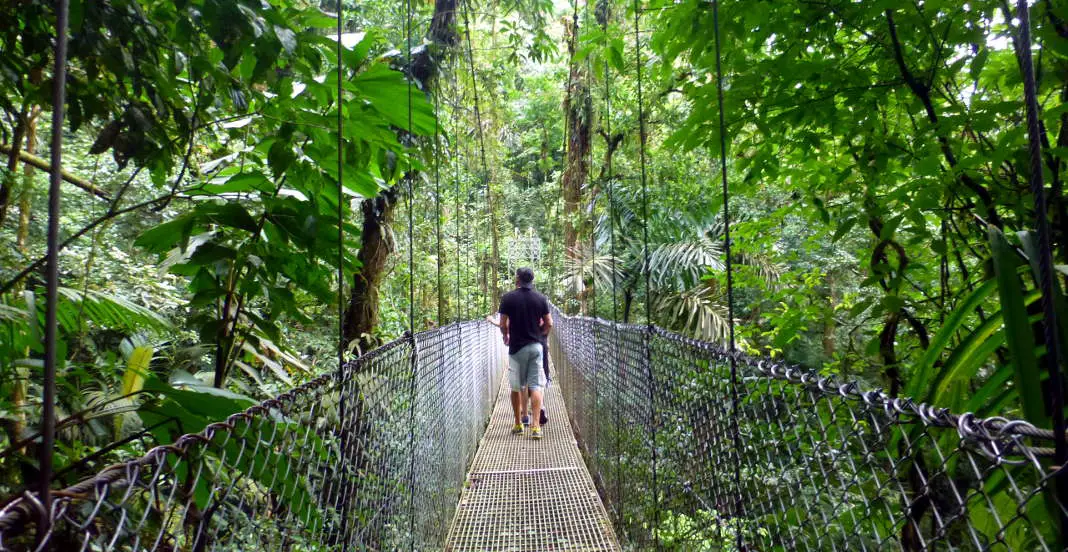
(524, 277)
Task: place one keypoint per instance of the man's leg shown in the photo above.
(535, 399)
(516, 384)
(542, 418)
(515, 407)
(535, 381)
(524, 397)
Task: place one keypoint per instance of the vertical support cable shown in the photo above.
(411, 285)
(478, 123)
(647, 335)
(48, 412)
(1045, 262)
(735, 434)
(341, 258)
(472, 200)
(437, 209)
(408, 176)
(568, 130)
(588, 100)
(457, 217)
(610, 190)
(592, 299)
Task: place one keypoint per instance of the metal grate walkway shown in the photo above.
(526, 495)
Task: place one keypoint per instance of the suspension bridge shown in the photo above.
(655, 441)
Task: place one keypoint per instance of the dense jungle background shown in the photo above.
(882, 224)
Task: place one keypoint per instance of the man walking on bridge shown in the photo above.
(525, 321)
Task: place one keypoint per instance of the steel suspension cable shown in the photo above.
(48, 410)
(645, 271)
(566, 154)
(478, 122)
(610, 190)
(1045, 258)
(439, 258)
(408, 176)
(735, 432)
(414, 386)
(456, 200)
(588, 106)
(341, 237)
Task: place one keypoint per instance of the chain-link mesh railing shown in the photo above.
(373, 460)
(797, 462)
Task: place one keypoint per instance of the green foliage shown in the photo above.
(877, 179)
(707, 531)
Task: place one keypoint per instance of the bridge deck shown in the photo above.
(527, 495)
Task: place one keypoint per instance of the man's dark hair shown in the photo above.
(525, 275)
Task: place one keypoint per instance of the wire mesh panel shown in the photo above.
(797, 461)
(364, 461)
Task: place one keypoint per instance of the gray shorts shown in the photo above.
(524, 368)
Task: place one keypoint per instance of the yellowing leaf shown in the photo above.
(136, 369)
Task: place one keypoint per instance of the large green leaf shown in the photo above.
(971, 354)
(163, 237)
(258, 449)
(941, 340)
(208, 403)
(388, 91)
(1018, 329)
(105, 310)
(1060, 306)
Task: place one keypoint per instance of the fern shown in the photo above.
(698, 312)
(104, 310)
(582, 266)
(684, 262)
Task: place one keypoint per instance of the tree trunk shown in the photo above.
(493, 203)
(22, 234)
(361, 316)
(8, 182)
(19, 390)
(493, 198)
(577, 112)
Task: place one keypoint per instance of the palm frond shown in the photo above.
(12, 314)
(106, 310)
(696, 312)
(682, 263)
(768, 270)
(583, 265)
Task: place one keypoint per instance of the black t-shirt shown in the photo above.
(524, 308)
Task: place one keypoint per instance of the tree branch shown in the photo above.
(43, 164)
(923, 93)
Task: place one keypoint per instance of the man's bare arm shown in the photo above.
(504, 327)
(546, 324)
